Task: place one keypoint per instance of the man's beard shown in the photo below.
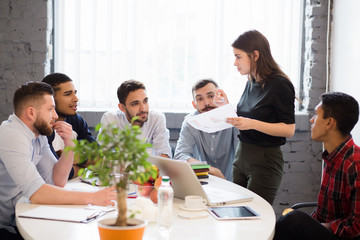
(138, 121)
(43, 127)
(207, 108)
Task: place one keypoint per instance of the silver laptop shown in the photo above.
(185, 182)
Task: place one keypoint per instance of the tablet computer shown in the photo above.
(233, 213)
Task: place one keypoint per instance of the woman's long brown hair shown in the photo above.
(265, 65)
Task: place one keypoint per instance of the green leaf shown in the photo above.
(116, 150)
(81, 171)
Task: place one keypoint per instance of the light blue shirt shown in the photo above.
(26, 163)
(153, 131)
(217, 149)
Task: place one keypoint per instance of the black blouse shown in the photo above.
(272, 102)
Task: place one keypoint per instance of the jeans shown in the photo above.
(5, 234)
(299, 225)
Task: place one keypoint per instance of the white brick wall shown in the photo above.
(23, 47)
(302, 169)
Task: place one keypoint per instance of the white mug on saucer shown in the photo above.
(194, 202)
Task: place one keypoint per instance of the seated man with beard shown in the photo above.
(133, 101)
(217, 148)
(28, 168)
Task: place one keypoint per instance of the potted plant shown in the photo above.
(118, 158)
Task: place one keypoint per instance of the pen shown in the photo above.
(87, 181)
(132, 195)
(93, 216)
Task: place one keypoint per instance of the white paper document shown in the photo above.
(214, 120)
(58, 213)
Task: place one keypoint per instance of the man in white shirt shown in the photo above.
(28, 167)
(133, 101)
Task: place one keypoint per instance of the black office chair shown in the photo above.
(299, 205)
(303, 204)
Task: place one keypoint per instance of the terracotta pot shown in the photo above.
(133, 232)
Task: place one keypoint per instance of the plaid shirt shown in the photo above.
(339, 197)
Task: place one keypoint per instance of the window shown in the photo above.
(167, 45)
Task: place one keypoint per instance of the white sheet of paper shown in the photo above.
(59, 213)
(214, 120)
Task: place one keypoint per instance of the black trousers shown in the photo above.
(5, 234)
(259, 169)
(299, 225)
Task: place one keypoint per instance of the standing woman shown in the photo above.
(266, 116)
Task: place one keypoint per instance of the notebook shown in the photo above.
(201, 169)
(185, 182)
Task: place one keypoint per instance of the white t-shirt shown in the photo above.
(153, 131)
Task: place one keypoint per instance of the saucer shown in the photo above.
(192, 215)
(192, 209)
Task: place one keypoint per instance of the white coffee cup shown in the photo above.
(194, 202)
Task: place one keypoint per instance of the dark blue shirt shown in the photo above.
(79, 126)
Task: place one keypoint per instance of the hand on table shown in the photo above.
(216, 172)
(104, 196)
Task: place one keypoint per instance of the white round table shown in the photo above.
(206, 228)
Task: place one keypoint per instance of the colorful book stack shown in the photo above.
(201, 169)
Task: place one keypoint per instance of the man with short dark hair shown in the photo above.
(337, 215)
(28, 167)
(66, 102)
(133, 101)
(218, 148)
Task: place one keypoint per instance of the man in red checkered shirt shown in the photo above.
(337, 215)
